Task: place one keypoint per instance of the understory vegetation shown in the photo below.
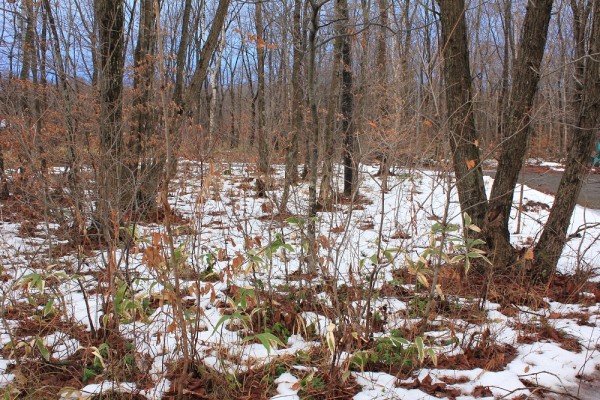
(299, 199)
(213, 300)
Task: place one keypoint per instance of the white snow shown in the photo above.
(226, 221)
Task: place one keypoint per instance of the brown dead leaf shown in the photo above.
(471, 164)
(237, 261)
(324, 242)
(482, 391)
(171, 327)
(267, 208)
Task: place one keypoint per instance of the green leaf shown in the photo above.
(474, 254)
(398, 341)
(456, 259)
(236, 315)
(39, 342)
(88, 374)
(467, 219)
(289, 247)
(433, 356)
(420, 349)
(293, 220)
(267, 339)
(389, 254)
(49, 307)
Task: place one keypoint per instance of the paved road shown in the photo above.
(548, 181)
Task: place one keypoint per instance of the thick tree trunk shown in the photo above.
(347, 105)
(382, 74)
(517, 129)
(291, 157)
(554, 236)
(459, 103)
(111, 202)
(148, 160)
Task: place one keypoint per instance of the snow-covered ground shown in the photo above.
(233, 233)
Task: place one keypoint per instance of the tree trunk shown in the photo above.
(554, 236)
(517, 129)
(459, 103)
(326, 191)
(111, 202)
(507, 25)
(148, 157)
(181, 56)
(313, 147)
(214, 100)
(291, 156)
(382, 85)
(212, 41)
(347, 105)
(263, 149)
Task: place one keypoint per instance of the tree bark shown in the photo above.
(181, 56)
(384, 109)
(517, 129)
(111, 202)
(313, 147)
(212, 41)
(459, 103)
(326, 191)
(507, 25)
(291, 157)
(148, 158)
(347, 105)
(554, 237)
(263, 148)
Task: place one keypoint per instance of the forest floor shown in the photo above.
(232, 294)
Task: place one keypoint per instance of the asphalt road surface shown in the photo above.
(547, 181)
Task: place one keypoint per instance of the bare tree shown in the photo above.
(463, 135)
(554, 237)
(110, 177)
(263, 149)
(517, 128)
(291, 157)
(347, 105)
(313, 148)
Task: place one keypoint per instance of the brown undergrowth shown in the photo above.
(315, 380)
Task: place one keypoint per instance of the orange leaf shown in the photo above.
(470, 164)
(171, 327)
(237, 261)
